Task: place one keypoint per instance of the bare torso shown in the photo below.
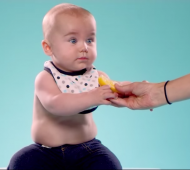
(51, 130)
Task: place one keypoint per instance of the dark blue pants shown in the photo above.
(91, 155)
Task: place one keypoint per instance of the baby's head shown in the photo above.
(69, 37)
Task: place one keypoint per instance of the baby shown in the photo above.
(66, 94)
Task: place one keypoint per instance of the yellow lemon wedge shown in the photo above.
(106, 81)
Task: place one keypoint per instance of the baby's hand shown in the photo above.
(101, 95)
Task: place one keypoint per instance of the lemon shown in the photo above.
(106, 81)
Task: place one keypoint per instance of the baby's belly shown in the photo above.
(55, 131)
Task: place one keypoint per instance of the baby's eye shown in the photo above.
(89, 41)
(73, 41)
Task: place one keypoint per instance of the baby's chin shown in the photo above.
(82, 66)
(77, 69)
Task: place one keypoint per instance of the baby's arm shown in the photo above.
(67, 104)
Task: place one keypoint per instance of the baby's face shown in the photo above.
(73, 42)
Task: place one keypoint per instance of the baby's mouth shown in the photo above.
(82, 58)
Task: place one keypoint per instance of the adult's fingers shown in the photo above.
(126, 89)
(119, 102)
(123, 83)
(145, 81)
(115, 105)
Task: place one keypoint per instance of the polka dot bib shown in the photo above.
(74, 82)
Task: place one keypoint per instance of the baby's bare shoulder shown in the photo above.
(102, 73)
(43, 80)
(43, 75)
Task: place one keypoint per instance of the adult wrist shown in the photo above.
(159, 94)
(165, 92)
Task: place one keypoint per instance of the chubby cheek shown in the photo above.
(93, 54)
(57, 49)
(64, 52)
(93, 58)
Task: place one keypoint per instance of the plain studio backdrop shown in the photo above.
(136, 40)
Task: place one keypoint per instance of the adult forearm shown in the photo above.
(179, 89)
(69, 104)
(176, 90)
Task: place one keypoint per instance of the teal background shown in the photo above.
(137, 40)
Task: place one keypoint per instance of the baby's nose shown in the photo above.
(84, 48)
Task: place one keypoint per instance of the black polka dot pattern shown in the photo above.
(67, 86)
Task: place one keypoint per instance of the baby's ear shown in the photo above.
(46, 47)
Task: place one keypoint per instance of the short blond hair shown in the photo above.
(65, 8)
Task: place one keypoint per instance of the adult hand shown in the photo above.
(138, 95)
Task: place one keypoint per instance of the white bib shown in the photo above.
(74, 82)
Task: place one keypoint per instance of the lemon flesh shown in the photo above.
(105, 81)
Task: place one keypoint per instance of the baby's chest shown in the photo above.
(77, 84)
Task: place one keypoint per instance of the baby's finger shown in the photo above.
(105, 87)
(119, 102)
(115, 105)
(107, 91)
(116, 95)
(107, 102)
(110, 96)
